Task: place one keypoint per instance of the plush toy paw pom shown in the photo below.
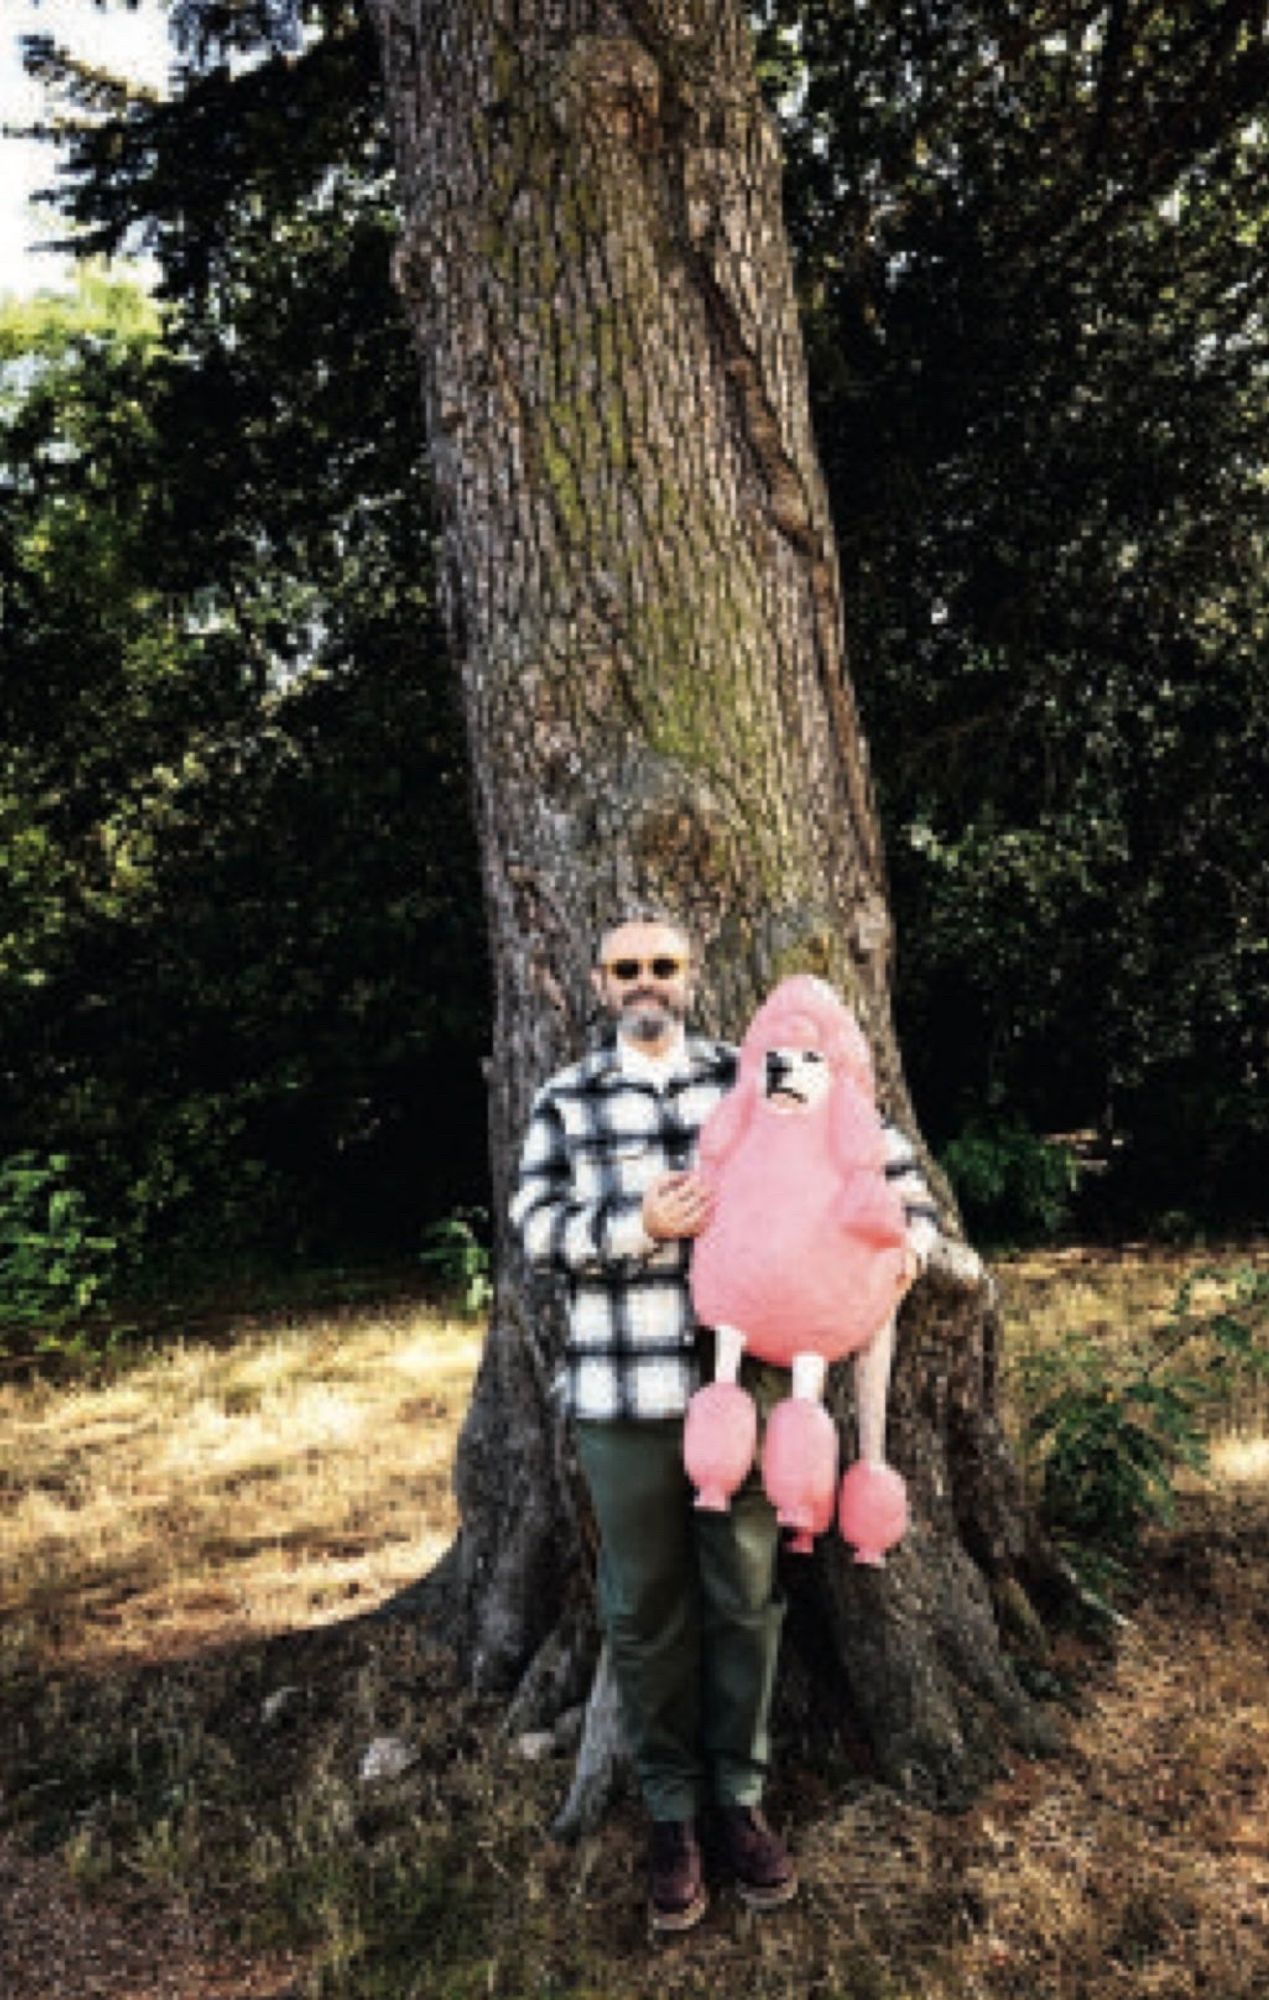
(872, 1511)
(799, 1468)
(720, 1442)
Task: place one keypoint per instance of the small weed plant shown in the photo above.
(456, 1250)
(53, 1264)
(1112, 1424)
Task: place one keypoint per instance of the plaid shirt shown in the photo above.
(599, 1133)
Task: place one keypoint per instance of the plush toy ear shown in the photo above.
(869, 1207)
(854, 1127)
(725, 1127)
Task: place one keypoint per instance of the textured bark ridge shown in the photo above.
(643, 602)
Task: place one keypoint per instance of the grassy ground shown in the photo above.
(189, 1693)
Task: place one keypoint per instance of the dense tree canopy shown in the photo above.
(243, 1030)
(1033, 253)
(242, 943)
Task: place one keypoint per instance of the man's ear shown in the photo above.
(597, 981)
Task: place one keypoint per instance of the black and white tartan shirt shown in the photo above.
(599, 1133)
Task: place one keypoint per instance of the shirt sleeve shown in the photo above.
(560, 1232)
(920, 1211)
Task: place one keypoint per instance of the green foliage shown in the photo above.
(53, 1264)
(1012, 1186)
(1111, 1423)
(457, 1252)
(241, 976)
(1030, 252)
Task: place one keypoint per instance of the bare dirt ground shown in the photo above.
(56, 1944)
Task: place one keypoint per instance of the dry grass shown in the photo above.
(218, 1491)
(187, 1541)
(1121, 1294)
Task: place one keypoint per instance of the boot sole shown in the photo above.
(672, 1922)
(767, 1899)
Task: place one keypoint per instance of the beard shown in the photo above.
(645, 1018)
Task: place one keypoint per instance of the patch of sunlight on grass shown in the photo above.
(273, 1482)
(1242, 1461)
(446, 1350)
(300, 1418)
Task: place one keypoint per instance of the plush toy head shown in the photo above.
(804, 1025)
(801, 1041)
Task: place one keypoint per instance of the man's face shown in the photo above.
(644, 979)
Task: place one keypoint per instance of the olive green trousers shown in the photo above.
(692, 1616)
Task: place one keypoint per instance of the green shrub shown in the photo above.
(1011, 1185)
(454, 1248)
(1111, 1423)
(53, 1264)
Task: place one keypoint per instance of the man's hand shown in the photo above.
(676, 1205)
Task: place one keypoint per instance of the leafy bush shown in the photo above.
(53, 1265)
(456, 1251)
(1011, 1185)
(1111, 1424)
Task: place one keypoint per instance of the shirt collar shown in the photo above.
(641, 1068)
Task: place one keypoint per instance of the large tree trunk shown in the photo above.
(643, 601)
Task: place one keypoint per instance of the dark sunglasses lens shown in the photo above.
(627, 969)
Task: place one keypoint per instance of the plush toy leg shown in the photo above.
(872, 1387)
(799, 1456)
(872, 1510)
(720, 1434)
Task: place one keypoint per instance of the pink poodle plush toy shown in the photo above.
(804, 1260)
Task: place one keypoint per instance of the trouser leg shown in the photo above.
(741, 1619)
(692, 1616)
(650, 1602)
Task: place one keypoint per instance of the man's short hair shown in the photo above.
(644, 913)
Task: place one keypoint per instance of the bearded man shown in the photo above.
(608, 1196)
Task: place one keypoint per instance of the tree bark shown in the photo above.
(643, 602)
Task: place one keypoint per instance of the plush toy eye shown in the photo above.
(812, 1056)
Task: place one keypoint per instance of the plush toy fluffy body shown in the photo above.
(803, 1262)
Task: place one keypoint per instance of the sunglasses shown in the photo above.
(626, 969)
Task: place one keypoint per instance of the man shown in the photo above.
(608, 1195)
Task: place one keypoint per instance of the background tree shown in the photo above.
(644, 610)
(1031, 248)
(244, 1040)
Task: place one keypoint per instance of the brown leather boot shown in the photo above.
(678, 1897)
(760, 1862)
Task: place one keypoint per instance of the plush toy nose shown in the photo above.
(778, 1067)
